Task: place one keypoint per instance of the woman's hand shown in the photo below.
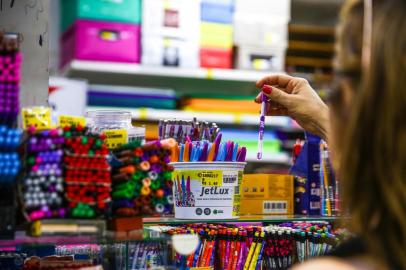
(295, 97)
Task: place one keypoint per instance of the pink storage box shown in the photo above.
(101, 41)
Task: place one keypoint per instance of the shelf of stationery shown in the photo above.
(181, 79)
(243, 219)
(154, 115)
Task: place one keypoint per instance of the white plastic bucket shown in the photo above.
(207, 190)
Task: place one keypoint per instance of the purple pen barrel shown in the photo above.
(261, 127)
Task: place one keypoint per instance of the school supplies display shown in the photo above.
(142, 179)
(182, 130)
(329, 187)
(226, 246)
(147, 255)
(306, 170)
(87, 172)
(10, 136)
(205, 151)
(10, 75)
(43, 184)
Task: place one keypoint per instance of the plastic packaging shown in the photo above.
(116, 125)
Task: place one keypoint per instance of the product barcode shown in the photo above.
(314, 205)
(229, 179)
(275, 207)
(237, 190)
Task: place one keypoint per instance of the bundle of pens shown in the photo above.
(279, 248)
(240, 248)
(312, 239)
(9, 159)
(10, 64)
(205, 253)
(147, 255)
(142, 179)
(222, 247)
(180, 130)
(87, 172)
(194, 151)
(329, 187)
(42, 185)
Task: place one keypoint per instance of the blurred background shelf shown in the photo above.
(181, 79)
(154, 115)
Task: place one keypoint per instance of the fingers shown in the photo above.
(281, 80)
(277, 95)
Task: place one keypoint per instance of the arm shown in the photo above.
(295, 97)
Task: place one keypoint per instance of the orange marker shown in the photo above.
(210, 156)
(186, 152)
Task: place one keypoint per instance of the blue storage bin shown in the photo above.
(217, 13)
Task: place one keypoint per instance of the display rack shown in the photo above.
(181, 79)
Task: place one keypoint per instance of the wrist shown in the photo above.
(323, 123)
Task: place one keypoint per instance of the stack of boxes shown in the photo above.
(216, 33)
(261, 34)
(169, 33)
(101, 30)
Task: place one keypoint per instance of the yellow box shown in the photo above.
(267, 194)
(216, 35)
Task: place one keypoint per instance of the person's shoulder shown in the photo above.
(328, 263)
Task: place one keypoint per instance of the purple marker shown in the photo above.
(261, 127)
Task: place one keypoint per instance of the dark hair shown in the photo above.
(372, 143)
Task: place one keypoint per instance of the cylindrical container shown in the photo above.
(108, 120)
(207, 190)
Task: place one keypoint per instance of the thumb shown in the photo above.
(276, 94)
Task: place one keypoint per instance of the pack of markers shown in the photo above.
(207, 179)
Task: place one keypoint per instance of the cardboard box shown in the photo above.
(128, 11)
(216, 58)
(216, 35)
(160, 51)
(254, 30)
(101, 41)
(261, 58)
(171, 18)
(267, 194)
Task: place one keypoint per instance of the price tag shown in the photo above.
(68, 120)
(115, 137)
(38, 117)
(209, 178)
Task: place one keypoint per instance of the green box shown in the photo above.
(128, 11)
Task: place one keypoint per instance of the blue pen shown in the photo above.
(224, 153)
(182, 146)
(260, 256)
(183, 191)
(193, 155)
(220, 152)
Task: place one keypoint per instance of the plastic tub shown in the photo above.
(207, 190)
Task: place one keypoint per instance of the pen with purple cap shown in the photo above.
(261, 126)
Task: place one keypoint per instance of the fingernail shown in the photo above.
(267, 89)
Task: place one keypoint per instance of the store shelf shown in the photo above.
(21, 238)
(154, 115)
(243, 219)
(181, 79)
